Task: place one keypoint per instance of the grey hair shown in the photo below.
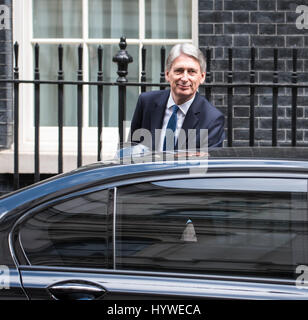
(189, 50)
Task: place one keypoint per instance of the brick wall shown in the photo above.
(6, 114)
(263, 24)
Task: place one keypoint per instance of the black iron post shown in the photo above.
(79, 105)
(122, 58)
(275, 100)
(294, 98)
(16, 119)
(230, 100)
(252, 100)
(208, 79)
(36, 116)
(143, 73)
(60, 109)
(162, 66)
(99, 102)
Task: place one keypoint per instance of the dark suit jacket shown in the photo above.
(150, 111)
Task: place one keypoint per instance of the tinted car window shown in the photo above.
(243, 227)
(70, 233)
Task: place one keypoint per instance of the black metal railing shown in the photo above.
(122, 58)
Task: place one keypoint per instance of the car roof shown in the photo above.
(282, 153)
(285, 156)
(239, 158)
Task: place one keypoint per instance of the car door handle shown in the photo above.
(76, 290)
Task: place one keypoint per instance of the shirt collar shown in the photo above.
(183, 107)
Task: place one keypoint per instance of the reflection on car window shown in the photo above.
(71, 233)
(251, 184)
(262, 231)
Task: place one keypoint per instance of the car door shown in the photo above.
(214, 237)
(224, 236)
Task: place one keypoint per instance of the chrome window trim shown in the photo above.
(194, 276)
(175, 176)
(168, 284)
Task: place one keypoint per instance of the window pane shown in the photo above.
(49, 66)
(113, 18)
(263, 233)
(57, 18)
(72, 233)
(110, 93)
(168, 19)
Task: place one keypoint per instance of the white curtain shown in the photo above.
(165, 20)
(113, 18)
(168, 19)
(184, 18)
(57, 18)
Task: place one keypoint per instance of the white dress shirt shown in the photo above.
(183, 109)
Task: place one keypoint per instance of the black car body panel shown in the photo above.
(125, 264)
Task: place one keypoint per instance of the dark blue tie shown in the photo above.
(172, 123)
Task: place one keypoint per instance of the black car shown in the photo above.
(231, 225)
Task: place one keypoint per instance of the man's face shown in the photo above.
(184, 77)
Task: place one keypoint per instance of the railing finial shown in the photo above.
(122, 58)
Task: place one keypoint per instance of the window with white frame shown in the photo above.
(148, 23)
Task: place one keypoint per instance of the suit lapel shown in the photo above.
(159, 107)
(191, 119)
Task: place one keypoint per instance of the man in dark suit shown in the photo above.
(181, 112)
